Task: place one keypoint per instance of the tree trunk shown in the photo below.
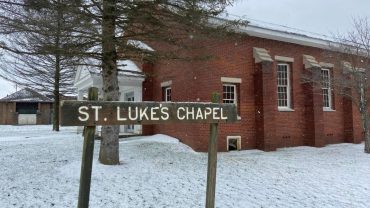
(109, 148)
(57, 70)
(367, 141)
(361, 89)
(365, 126)
(56, 94)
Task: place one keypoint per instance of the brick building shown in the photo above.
(25, 106)
(261, 73)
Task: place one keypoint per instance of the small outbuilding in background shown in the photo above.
(25, 107)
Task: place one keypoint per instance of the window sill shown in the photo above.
(328, 110)
(238, 118)
(285, 109)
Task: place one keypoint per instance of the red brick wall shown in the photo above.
(196, 80)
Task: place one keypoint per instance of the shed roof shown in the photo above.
(26, 95)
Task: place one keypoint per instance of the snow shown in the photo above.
(40, 168)
(123, 64)
(28, 100)
(286, 29)
(139, 44)
(125, 68)
(128, 65)
(276, 27)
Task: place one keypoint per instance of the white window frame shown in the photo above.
(235, 82)
(166, 94)
(235, 100)
(238, 142)
(330, 102)
(166, 83)
(288, 88)
(130, 97)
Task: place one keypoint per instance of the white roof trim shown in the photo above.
(284, 59)
(326, 65)
(140, 45)
(278, 34)
(284, 36)
(166, 83)
(128, 65)
(231, 80)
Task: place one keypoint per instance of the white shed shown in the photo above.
(130, 79)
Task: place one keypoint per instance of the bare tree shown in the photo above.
(355, 56)
(351, 54)
(43, 43)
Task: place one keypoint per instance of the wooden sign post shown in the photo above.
(91, 113)
(212, 160)
(87, 158)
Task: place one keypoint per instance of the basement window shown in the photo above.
(233, 143)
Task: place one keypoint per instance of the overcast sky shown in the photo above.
(5, 88)
(325, 17)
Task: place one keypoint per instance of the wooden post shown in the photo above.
(212, 160)
(87, 158)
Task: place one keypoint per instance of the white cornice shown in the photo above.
(279, 34)
(285, 36)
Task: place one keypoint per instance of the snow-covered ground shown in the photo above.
(40, 168)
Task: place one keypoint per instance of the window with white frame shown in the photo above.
(233, 143)
(230, 94)
(326, 88)
(231, 91)
(167, 94)
(130, 97)
(283, 85)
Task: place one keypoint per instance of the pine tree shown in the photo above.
(43, 45)
(172, 25)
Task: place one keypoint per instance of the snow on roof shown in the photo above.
(125, 68)
(131, 73)
(139, 44)
(127, 65)
(129, 68)
(277, 32)
(286, 29)
(26, 95)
